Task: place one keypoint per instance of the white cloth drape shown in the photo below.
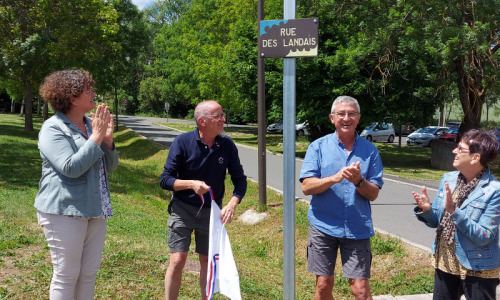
(222, 275)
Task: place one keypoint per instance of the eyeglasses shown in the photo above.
(342, 114)
(462, 149)
(217, 116)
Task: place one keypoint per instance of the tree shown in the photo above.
(463, 38)
(128, 58)
(38, 36)
(207, 50)
(21, 49)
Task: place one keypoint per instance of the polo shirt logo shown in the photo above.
(221, 160)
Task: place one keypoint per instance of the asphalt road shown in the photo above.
(392, 211)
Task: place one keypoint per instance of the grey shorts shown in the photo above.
(322, 251)
(182, 221)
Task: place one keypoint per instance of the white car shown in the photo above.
(424, 136)
(275, 127)
(379, 132)
(301, 128)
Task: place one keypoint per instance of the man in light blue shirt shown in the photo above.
(343, 173)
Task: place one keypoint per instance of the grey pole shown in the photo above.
(289, 167)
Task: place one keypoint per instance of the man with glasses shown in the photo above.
(343, 173)
(195, 171)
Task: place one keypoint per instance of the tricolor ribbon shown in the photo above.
(203, 200)
(211, 276)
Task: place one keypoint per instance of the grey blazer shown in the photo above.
(70, 169)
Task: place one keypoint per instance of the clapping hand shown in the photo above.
(352, 173)
(108, 136)
(450, 204)
(422, 200)
(102, 126)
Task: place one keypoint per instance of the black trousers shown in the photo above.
(448, 286)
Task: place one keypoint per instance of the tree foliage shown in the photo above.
(41, 36)
(209, 52)
(401, 59)
(461, 40)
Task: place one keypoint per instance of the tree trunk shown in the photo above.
(28, 102)
(21, 112)
(442, 121)
(470, 91)
(12, 106)
(45, 110)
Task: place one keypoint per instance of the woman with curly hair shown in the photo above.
(73, 202)
(466, 213)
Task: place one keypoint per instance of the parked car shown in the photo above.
(453, 124)
(378, 132)
(424, 136)
(405, 130)
(450, 135)
(275, 127)
(301, 128)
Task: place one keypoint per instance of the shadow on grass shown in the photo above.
(129, 179)
(126, 140)
(133, 176)
(244, 130)
(20, 161)
(402, 157)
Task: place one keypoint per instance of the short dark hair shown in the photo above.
(483, 142)
(60, 87)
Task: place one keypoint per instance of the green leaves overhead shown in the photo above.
(39, 36)
(401, 59)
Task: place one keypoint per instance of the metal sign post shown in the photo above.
(167, 107)
(288, 38)
(289, 178)
(289, 166)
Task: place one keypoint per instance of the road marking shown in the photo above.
(410, 184)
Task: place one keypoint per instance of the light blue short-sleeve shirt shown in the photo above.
(341, 211)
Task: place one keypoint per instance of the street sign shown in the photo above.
(288, 38)
(167, 106)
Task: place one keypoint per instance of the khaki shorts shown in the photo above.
(182, 221)
(322, 251)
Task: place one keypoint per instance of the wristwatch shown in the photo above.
(360, 183)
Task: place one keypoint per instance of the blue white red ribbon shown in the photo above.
(213, 272)
(203, 200)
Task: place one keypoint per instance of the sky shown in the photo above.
(142, 3)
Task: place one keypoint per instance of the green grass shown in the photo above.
(136, 252)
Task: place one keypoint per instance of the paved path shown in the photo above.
(392, 212)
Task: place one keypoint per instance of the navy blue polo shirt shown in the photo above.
(190, 159)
